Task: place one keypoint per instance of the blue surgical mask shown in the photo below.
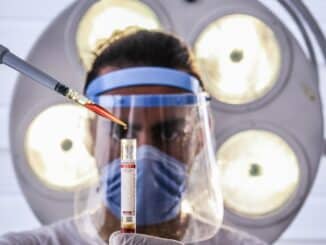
(160, 185)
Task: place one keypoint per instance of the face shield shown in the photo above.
(177, 194)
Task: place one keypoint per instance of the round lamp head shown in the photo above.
(61, 157)
(240, 58)
(259, 172)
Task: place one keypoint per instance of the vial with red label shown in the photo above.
(128, 185)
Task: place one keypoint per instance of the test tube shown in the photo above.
(128, 185)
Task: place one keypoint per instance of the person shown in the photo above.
(150, 80)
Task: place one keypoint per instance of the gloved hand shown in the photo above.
(118, 238)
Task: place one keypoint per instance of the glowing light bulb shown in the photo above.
(240, 58)
(107, 16)
(259, 170)
(58, 146)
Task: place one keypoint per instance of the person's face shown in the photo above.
(172, 131)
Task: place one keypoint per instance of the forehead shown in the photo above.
(145, 90)
(150, 115)
(153, 116)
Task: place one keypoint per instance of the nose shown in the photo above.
(144, 138)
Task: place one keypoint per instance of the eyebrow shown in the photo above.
(166, 123)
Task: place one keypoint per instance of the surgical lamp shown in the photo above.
(266, 104)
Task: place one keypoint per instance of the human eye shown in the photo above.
(169, 134)
(171, 131)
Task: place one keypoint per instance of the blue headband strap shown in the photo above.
(142, 76)
(151, 100)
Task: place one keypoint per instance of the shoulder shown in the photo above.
(62, 232)
(231, 236)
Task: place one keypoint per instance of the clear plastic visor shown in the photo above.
(171, 187)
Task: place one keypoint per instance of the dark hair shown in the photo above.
(143, 48)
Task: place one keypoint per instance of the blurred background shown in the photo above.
(22, 23)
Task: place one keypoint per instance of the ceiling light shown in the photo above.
(240, 58)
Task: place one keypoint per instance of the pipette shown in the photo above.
(11, 60)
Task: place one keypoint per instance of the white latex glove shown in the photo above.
(118, 238)
(226, 236)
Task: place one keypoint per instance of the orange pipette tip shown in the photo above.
(99, 110)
